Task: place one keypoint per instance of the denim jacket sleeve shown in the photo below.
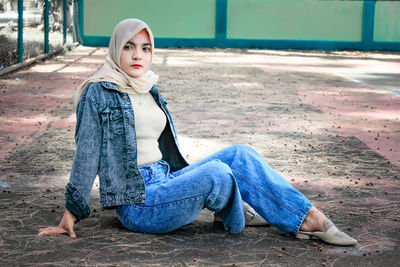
(88, 136)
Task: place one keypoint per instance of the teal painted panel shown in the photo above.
(172, 18)
(249, 30)
(387, 21)
(295, 20)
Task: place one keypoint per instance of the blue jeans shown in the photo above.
(219, 183)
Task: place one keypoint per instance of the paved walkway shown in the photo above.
(329, 122)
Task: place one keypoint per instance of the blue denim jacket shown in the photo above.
(106, 146)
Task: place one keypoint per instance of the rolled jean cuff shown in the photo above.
(75, 203)
(303, 217)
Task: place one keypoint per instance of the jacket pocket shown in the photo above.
(115, 123)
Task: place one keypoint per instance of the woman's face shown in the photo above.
(136, 55)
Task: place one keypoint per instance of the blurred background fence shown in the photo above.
(29, 28)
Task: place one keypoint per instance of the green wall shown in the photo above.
(166, 18)
(277, 24)
(296, 20)
(387, 21)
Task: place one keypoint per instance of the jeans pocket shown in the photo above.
(147, 174)
(156, 172)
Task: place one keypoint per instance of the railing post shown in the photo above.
(46, 26)
(65, 10)
(20, 31)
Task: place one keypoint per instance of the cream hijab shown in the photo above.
(111, 71)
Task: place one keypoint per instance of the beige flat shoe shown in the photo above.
(251, 217)
(332, 235)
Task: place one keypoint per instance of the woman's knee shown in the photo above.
(218, 168)
(218, 174)
(244, 148)
(223, 183)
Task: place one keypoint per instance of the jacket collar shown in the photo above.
(110, 86)
(113, 86)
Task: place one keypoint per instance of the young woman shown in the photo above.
(124, 134)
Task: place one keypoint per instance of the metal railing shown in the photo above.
(43, 27)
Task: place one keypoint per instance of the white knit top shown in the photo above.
(150, 121)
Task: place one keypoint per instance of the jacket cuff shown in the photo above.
(75, 203)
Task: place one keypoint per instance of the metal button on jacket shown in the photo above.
(125, 97)
(131, 148)
(130, 122)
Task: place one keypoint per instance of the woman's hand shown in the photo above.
(66, 226)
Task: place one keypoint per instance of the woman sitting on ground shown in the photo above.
(125, 135)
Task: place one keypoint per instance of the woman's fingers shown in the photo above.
(56, 231)
(66, 226)
(72, 234)
(53, 231)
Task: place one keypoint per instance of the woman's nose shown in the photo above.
(137, 54)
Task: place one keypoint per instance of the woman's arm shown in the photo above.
(66, 226)
(88, 136)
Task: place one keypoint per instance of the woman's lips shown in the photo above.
(136, 66)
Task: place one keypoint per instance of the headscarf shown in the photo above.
(111, 71)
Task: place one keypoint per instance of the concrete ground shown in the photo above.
(329, 122)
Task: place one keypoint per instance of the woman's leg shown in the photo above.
(262, 188)
(177, 199)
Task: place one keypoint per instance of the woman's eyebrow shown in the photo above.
(144, 44)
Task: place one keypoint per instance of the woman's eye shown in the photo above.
(127, 47)
(146, 49)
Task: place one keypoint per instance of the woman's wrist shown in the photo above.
(71, 215)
